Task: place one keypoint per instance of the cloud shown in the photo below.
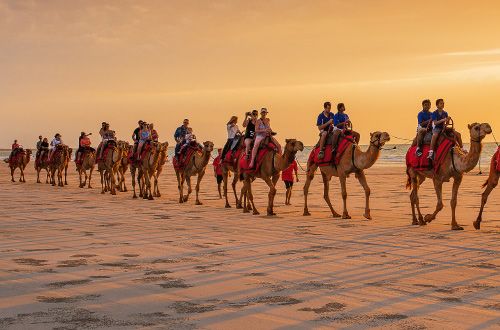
(495, 51)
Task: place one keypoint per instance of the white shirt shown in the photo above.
(55, 142)
(231, 131)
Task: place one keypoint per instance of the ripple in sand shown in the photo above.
(72, 299)
(66, 283)
(330, 307)
(30, 261)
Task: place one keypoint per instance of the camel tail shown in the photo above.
(408, 181)
(485, 184)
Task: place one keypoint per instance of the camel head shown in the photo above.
(208, 146)
(70, 151)
(164, 146)
(378, 139)
(293, 145)
(479, 131)
(28, 152)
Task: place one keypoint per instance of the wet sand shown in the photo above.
(72, 258)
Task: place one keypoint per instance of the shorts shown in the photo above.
(288, 184)
(436, 130)
(335, 128)
(219, 178)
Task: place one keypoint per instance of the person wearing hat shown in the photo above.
(217, 170)
(55, 141)
(83, 143)
(145, 135)
(232, 130)
(262, 129)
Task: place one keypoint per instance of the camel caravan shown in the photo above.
(436, 153)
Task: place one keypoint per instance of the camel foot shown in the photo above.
(158, 195)
(367, 216)
(185, 198)
(90, 187)
(198, 203)
(477, 224)
(150, 198)
(246, 211)
(255, 212)
(238, 206)
(113, 192)
(346, 216)
(414, 222)
(428, 218)
(124, 190)
(336, 215)
(227, 206)
(457, 227)
(135, 196)
(421, 222)
(102, 192)
(270, 213)
(306, 212)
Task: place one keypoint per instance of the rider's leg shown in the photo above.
(258, 140)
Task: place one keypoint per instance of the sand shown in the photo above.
(72, 258)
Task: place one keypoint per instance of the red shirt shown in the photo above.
(287, 175)
(217, 165)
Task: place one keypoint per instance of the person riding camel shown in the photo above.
(179, 134)
(101, 133)
(339, 120)
(249, 124)
(324, 122)
(187, 139)
(154, 133)
(55, 141)
(439, 117)
(424, 119)
(44, 148)
(83, 144)
(145, 135)
(15, 150)
(38, 146)
(136, 137)
(107, 136)
(232, 130)
(262, 129)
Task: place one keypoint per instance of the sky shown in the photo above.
(66, 66)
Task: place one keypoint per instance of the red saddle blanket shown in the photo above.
(54, 156)
(327, 159)
(79, 161)
(133, 157)
(261, 154)
(496, 156)
(184, 157)
(105, 153)
(42, 159)
(423, 163)
(14, 160)
(229, 159)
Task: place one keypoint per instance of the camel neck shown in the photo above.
(282, 162)
(366, 159)
(465, 163)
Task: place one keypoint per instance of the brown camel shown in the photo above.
(349, 163)
(162, 159)
(87, 164)
(148, 165)
(490, 184)
(123, 167)
(42, 165)
(59, 165)
(108, 167)
(196, 165)
(22, 161)
(270, 168)
(235, 168)
(70, 152)
(454, 166)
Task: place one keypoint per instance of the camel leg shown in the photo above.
(38, 175)
(12, 174)
(250, 195)
(491, 184)
(438, 186)
(326, 195)
(190, 189)
(272, 193)
(419, 181)
(80, 177)
(66, 175)
(180, 184)
(21, 175)
(112, 184)
(123, 181)
(132, 173)
(454, 199)
(102, 181)
(236, 178)
(343, 185)
(90, 176)
(242, 203)
(309, 177)
(197, 188)
(362, 180)
(224, 179)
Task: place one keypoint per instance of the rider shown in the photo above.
(217, 171)
(55, 141)
(262, 129)
(101, 133)
(154, 133)
(44, 147)
(424, 119)
(249, 124)
(438, 118)
(325, 119)
(15, 150)
(339, 120)
(186, 140)
(38, 146)
(83, 143)
(136, 137)
(180, 132)
(145, 135)
(232, 130)
(107, 135)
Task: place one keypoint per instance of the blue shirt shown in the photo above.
(322, 119)
(437, 116)
(423, 116)
(180, 132)
(340, 118)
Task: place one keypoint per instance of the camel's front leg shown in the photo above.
(491, 184)
(326, 194)
(236, 178)
(66, 175)
(38, 175)
(362, 180)
(270, 196)
(180, 186)
(343, 186)
(454, 199)
(438, 186)
(22, 174)
(90, 176)
(225, 174)
(112, 183)
(102, 181)
(249, 195)
(419, 180)
(198, 181)
(309, 177)
(242, 202)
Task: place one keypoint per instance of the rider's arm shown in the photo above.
(257, 125)
(245, 122)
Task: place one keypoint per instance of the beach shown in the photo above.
(72, 258)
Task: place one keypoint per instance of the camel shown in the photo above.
(490, 184)
(196, 165)
(70, 152)
(349, 163)
(108, 167)
(122, 168)
(148, 166)
(43, 165)
(162, 159)
(235, 168)
(87, 164)
(60, 163)
(272, 164)
(22, 161)
(454, 166)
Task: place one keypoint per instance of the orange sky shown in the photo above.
(66, 66)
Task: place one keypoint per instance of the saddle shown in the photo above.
(110, 146)
(423, 163)
(183, 159)
(40, 158)
(133, 157)
(265, 147)
(84, 154)
(13, 159)
(344, 142)
(59, 149)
